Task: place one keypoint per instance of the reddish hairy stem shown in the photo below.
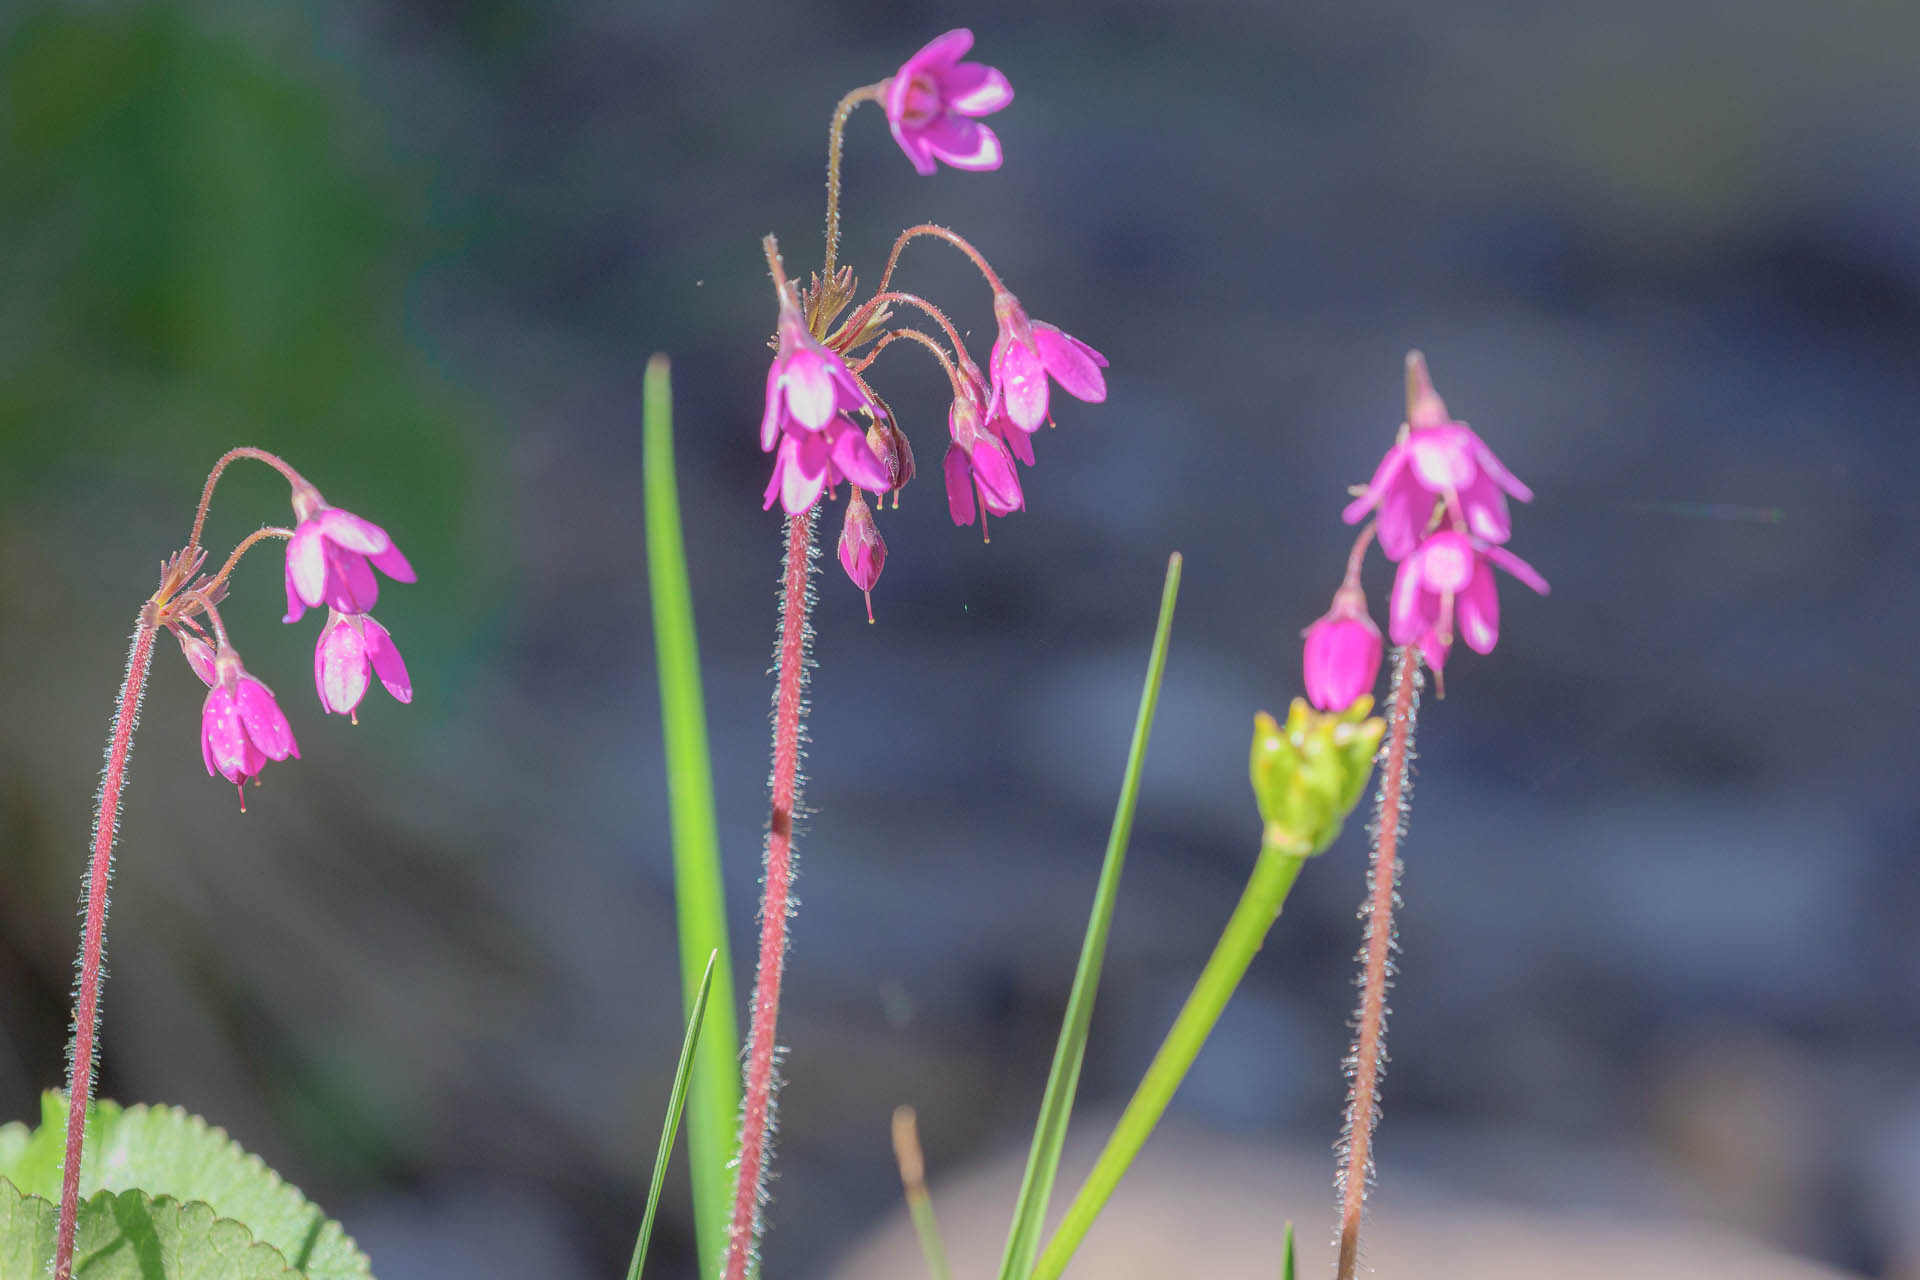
(757, 1102)
(86, 1012)
(939, 232)
(257, 536)
(858, 319)
(836, 144)
(1389, 826)
(913, 335)
(231, 456)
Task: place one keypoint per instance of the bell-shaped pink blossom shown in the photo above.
(1026, 352)
(1435, 459)
(977, 459)
(809, 461)
(1342, 652)
(807, 385)
(932, 100)
(353, 647)
(241, 726)
(862, 552)
(1446, 585)
(331, 558)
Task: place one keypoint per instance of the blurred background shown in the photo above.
(1659, 928)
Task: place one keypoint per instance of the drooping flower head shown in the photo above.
(932, 100)
(332, 555)
(862, 552)
(1435, 460)
(977, 459)
(241, 726)
(1342, 652)
(1026, 352)
(805, 425)
(351, 647)
(1447, 582)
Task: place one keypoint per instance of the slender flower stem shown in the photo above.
(1266, 892)
(912, 335)
(233, 559)
(836, 143)
(789, 704)
(858, 319)
(942, 233)
(231, 456)
(1383, 880)
(86, 1012)
(1357, 556)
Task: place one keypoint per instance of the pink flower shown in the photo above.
(1026, 352)
(328, 555)
(807, 385)
(930, 102)
(977, 459)
(1449, 578)
(1435, 459)
(241, 726)
(809, 461)
(862, 552)
(1343, 652)
(350, 646)
(889, 444)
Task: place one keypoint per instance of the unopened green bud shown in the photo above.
(1309, 773)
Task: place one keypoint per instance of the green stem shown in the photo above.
(1273, 876)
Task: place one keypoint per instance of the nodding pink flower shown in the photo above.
(889, 444)
(809, 461)
(1448, 579)
(808, 386)
(977, 459)
(1435, 459)
(328, 558)
(241, 726)
(931, 101)
(350, 646)
(862, 552)
(1343, 652)
(1026, 352)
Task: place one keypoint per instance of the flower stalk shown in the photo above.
(761, 1079)
(86, 1014)
(1368, 1058)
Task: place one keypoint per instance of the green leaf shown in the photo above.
(1056, 1105)
(129, 1235)
(1286, 1259)
(676, 1102)
(165, 1152)
(697, 886)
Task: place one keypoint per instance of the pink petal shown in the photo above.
(1448, 562)
(307, 565)
(351, 532)
(914, 143)
(351, 586)
(1405, 509)
(296, 607)
(1022, 382)
(1383, 475)
(962, 143)
(223, 742)
(340, 667)
(1519, 568)
(393, 564)
(858, 463)
(940, 52)
(810, 392)
(387, 662)
(265, 723)
(1408, 614)
(1476, 611)
(1018, 442)
(770, 416)
(805, 473)
(999, 482)
(1073, 364)
(959, 476)
(975, 89)
(1442, 457)
(1498, 470)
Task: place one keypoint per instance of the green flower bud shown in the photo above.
(1309, 774)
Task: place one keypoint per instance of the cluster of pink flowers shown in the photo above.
(1439, 506)
(331, 558)
(816, 386)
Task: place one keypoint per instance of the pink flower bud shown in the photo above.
(1343, 652)
(862, 552)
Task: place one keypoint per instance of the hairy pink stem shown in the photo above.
(86, 1011)
(1383, 877)
(789, 703)
(226, 460)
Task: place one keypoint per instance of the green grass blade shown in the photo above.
(676, 1102)
(714, 1099)
(1286, 1260)
(1056, 1105)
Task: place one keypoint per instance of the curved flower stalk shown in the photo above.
(825, 426)
(331, 555)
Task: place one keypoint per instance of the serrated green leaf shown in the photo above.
(129, 1235)
(1056, 1104)
(168, 1153)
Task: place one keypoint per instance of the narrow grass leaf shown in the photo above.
(1286, 1257)
(1056, 1104)
(714, 1096)
(676, 1102)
